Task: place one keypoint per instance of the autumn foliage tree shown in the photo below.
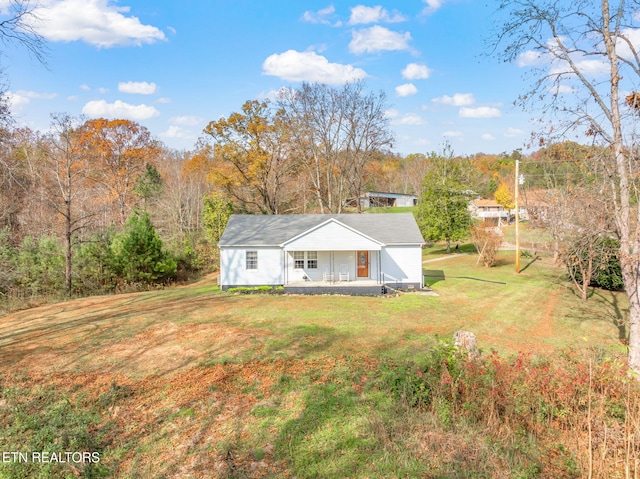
(119, 150)
(252, 160)
(504, 196)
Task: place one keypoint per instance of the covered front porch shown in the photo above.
(331, 253)
(332, 268)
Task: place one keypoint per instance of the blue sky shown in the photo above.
(174, 66)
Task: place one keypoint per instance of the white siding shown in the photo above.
(293, 275)
(402, 263)
(233, 270)
(332, 236)
(331, 262)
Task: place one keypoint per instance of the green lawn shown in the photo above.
(195, 382)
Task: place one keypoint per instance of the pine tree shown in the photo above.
(139, 254)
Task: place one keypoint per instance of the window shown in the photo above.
(251, 259)
(298, 259)
(300, 256)
(312, 259)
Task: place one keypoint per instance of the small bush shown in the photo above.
(487, 240)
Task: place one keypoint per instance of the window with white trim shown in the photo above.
(251, 259)
(312, 259)
(298, 259)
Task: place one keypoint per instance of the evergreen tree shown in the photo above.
(139, 254)
(442, 213)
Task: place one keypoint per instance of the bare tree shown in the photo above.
(588, 50)
(65, 176)
(336, 132)
(19, 26)
(178, 209)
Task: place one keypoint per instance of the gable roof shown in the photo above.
(274, 230)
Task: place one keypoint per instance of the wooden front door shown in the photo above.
(363, 264)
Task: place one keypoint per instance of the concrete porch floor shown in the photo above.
(367, 287)
(328, 284)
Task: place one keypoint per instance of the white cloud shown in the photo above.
(416, 71)
(186, 120)
(119, 109)
(564, 89)
(96, 22)
(452, 134)
(458, 99)
(531, 58)
(409, 119)
(175, 132)
(309, 66)
(399, 119)
(85, 87)
(275, 95)
(513, 132)
(377, 39)
(480, 112)
(164, 100)
(361, 14)
(432, 6)
(392, 113)
(633, 36)
(321, 16)
(140, 88)
(587, 66)
(488, 137)
(20, 98)
(103, 90)
(406, 89)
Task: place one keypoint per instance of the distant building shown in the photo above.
(489, 210)
(376, 198)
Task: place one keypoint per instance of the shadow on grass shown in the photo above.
(433, 276)
(324, 440)
(530, 263)
(117, 319)
(617, 314)
(305, 339)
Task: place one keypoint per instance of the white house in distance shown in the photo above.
(349, 253)
(489, 210)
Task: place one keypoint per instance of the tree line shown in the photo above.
(70, 196)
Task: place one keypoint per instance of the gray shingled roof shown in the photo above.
(273, 230)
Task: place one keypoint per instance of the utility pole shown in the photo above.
(517, 217)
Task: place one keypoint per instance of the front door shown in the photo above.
(363, 264)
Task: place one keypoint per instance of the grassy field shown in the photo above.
(194, 382)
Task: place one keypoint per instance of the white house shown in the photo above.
(303, 251)
(490, 210)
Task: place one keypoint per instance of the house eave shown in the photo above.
(247, 245)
